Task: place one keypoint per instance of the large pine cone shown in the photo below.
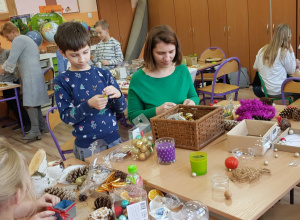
(266, 101)
(120, 174)
(284, 124)
(62, 193)
(229, 124)
(296, 114)
(287, 113)
(74, 174)
(103, 201)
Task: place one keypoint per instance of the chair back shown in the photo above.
(212, 52)
(228, 66)
(290, 85)
(49, 74)
(262, 84)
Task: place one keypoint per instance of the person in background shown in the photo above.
(108, 50)
(164, 81)
(17, 199)
(87, 97)
(276, 60)
(25, 55)
(12, 104)
(62, 62)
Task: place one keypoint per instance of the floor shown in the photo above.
(63, 133)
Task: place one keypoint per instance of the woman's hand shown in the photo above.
(46, 215)
(112, 92)
(98, 102)
(164, 107)
(188, 102)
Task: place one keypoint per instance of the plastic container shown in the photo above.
(133, 177)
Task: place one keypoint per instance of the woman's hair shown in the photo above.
(8, 27)
(103, 23)
(162, 33)
(71, 36)
(281, 39)
(14, 175)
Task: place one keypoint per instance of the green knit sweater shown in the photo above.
(146, 92)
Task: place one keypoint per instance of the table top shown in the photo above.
(9, 86)
(203, 65)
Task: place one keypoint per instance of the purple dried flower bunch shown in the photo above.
(254, 108)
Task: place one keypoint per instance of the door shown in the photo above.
(286, 14)
(259, 28)
(218, 24)
(237, 30)
(200, 26)
(125, 18)
(107, 10)
(183, 26)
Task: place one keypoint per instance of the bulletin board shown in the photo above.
(32, 6)
(7, 9)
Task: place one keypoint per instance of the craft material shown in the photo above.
(194, 174)
(229, 124)
(228, 194)
(153, 193)
(291, 132)
(284, 124)
(275, 149)
(276, 155)
(133, 177)
(103, 201)
(74, 174)
(248, 174)
(231, 163)
(266, 162)
(61, 192)
(198, 161)
(296, 154)
(165, 148)
(220, 184)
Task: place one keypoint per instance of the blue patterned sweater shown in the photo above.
(73, 89)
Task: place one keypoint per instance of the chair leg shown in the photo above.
(236, 96)
(212, 99)
(203, 99)
(292, 196)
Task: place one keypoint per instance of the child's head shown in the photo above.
(9, 31)
(74, 42)
(282, 36)
(15, 179)
(161, 34)
(102, 29)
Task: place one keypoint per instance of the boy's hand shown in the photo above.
(105, 62)
(112, 92)
(98, 102)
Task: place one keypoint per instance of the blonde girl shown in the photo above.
(16, 194)
(276, 59)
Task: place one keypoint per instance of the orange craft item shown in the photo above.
(231, 163)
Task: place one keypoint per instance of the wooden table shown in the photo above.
(14, 86)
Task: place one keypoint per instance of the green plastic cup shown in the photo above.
(198, 162)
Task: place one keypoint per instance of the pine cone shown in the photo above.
(266, 101)
(74, 174)
(229, 124)
(284, 124)
(296, 114)
(120, 174)
(82, 197)
(62, 193)
(103, 201)
(287, 113)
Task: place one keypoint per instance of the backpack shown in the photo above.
(244, 78)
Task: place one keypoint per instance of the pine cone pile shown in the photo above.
(266, 101)
(296, 114)
(103, 201)
(284, 124)
(82, 197)
(62, 193)
(74, 174)
(121, 175)
(287, 113)
(229, 124)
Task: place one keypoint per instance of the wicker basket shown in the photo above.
(94, 40)
(51, 48)
(192, 135)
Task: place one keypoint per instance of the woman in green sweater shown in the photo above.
(164, 81)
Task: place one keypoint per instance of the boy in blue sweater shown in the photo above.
(87, 97)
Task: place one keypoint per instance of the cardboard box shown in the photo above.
(287, 148)
(66, 210)
(252, 133)
(190, 61)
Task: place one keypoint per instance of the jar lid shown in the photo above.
(132, 169)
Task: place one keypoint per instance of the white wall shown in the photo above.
(87, 5)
